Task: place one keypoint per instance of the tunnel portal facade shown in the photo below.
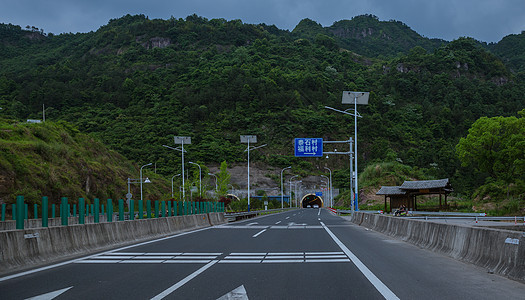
(310, 200)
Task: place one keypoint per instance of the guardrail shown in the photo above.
(236, 216)
(433, 215)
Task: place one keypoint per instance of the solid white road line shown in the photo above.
(277, 222)
(174, 287)
(258, 233)
(380, 286)
(319, 212)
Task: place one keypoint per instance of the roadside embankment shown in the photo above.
(499, 251)
(20, 249)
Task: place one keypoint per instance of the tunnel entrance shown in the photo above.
(310, 200)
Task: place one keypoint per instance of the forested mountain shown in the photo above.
(136, 82)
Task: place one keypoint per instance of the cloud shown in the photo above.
(485, 20)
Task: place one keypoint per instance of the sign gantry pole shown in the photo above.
(181, 140)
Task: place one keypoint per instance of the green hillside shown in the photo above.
(54, 159)
(136, 82)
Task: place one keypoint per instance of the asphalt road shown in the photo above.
(301, 254)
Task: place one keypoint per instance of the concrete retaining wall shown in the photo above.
(21, 249)
(499, 251)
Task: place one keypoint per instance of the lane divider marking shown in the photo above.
(177, 285)
(258, 233)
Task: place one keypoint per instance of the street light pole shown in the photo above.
(200, 177)
(291, 186)
(331, 192)
(328, 186)
(181, 140)
(172, 184)
(141, 178)
(354, 98)
(216, 187)
(282, 189)
(247, 139)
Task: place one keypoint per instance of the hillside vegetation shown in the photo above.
(136, 82)
(54, 159)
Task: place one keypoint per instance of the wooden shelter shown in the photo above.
(406, 193)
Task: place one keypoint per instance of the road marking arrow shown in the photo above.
(237, 294)
(49, 296)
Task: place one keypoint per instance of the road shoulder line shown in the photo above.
(378, 284)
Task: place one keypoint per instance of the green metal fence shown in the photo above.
(80, 210)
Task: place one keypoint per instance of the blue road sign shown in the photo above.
(319, 194)
(308, 147)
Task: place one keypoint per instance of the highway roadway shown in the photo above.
(299, 254)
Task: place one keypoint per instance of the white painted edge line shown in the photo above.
(195, 257)
(193, 261)
(96, 261)
(95, 255)
(319, 212)
(129, 253)
(246, 253)
(323, 253)
(202, 253)
(258, 233)
(239, 261)
(283, 257)
(380, 286)
(137, 261)
(115, 257)
(326, 260)
(177, 285)
(283, 261)
(277, 222)
(326, 256)
(245, 257)
(151, 257)
(286, 253)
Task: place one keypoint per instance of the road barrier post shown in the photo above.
(121, 209)
(44, 211)
(109, 210)
(63, 213)
(148, 209)
(35, 211)
(169, 208)
(26, 211)
(141, 209)
(3, 212)
(163, 208)
(96, 211)
(81, 212)
(53, 211)
(19, 212)
(157, 209)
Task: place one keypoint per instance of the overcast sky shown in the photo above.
(484, 20)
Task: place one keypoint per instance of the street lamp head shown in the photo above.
(147, 180)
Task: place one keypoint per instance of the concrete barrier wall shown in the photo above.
(499, 251)
(21, 249)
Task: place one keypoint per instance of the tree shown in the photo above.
(223, 179)
(496, 146)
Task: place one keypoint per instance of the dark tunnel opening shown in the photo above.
(311, 200)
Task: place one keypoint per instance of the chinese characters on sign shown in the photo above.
(309, 147)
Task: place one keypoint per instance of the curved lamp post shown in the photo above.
(200, 177)
(282, 189)
(216, 187)
(141, 178)
(331, 192)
